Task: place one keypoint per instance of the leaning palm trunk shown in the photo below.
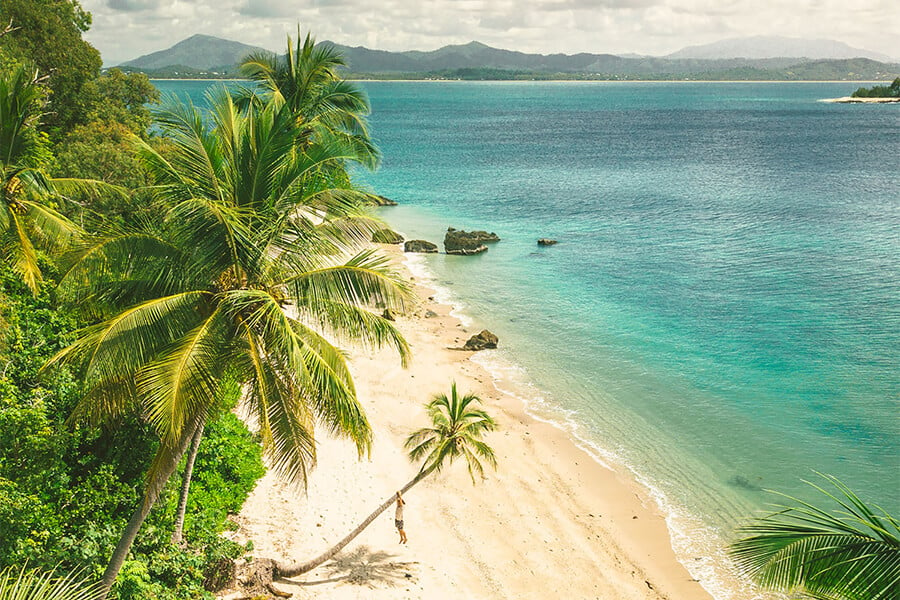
(168, 463)
(186, 485)
(292, 570)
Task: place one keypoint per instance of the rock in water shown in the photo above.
(546, 242)
(457, 241)
(387, 236)
(377, 200)
(482, 341)
(419, 246)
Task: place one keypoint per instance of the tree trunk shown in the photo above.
(294, 569)
(151, 495)
(186, 485)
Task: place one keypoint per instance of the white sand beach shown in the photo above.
(549, 523)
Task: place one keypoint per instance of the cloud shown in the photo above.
(124, 29)
(133, 5)
(268, 8)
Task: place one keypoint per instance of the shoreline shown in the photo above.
(431, 80)
(552, 518)
(852, 100)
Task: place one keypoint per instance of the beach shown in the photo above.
(551, 522)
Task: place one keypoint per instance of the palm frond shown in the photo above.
(30, 584)
(852, 553)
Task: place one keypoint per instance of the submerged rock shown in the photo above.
(546, 242)
(457, 241)
(387, 236)
(482, 341)
(419, 246)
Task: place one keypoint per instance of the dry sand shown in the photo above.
(549, 523)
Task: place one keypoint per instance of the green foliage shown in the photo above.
(879, 91)
(49, 36)
(65, 493)
(123, 98)
(849, 553)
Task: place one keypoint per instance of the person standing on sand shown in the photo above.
(398, 518)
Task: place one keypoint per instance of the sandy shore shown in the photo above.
(549, 523)
(852, 100)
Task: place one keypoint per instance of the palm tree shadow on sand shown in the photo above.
(365, 567)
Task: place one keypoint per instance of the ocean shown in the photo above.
(722, 311)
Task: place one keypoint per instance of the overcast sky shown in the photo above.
(125, 29)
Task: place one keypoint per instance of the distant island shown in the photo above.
(209, 57)
(879, 94)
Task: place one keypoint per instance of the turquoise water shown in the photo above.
(722, 312)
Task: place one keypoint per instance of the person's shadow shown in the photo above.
(365, 567)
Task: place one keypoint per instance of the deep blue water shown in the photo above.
(722, 312)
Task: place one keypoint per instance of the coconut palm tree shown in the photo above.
(244, 276)
(25, 221)
(852, 553)
(457, 427)
(25, 584)
(307, 79)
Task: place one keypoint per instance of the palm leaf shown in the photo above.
(31, 584)
(849, 554)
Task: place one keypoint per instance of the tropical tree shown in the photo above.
(851, 553)
(25, 584)
(244, 277)
(308, 80)
(27, 222)
(24, 220)
(456, 431)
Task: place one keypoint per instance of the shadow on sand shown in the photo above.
(366, 568)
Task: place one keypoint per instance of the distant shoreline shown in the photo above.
(432, 80)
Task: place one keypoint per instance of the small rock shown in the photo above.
(546, 242)
(387, 236)
(482, 341)
(388, 314)
(430, 314)
(419, 246)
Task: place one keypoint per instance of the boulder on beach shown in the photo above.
(387, 236)
(546, 242)
(419, 246)
(482, 341)
(457, 241)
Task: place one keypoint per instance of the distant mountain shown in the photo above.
(207, 56)
(776, 46)
(198, 52)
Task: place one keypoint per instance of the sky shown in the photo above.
(125, 29)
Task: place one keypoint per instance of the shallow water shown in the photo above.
(722, 312)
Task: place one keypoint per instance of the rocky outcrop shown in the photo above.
(457, 241)
(546, 242)
(387, 236)
(419, 246)
(482, 341)
(376, 200)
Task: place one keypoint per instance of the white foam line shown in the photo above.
(696, 546)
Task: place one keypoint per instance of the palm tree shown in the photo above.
(24, 584)
(848, 554)
(24, 221)
(307, 79)
(244, 276)
(457, 427)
